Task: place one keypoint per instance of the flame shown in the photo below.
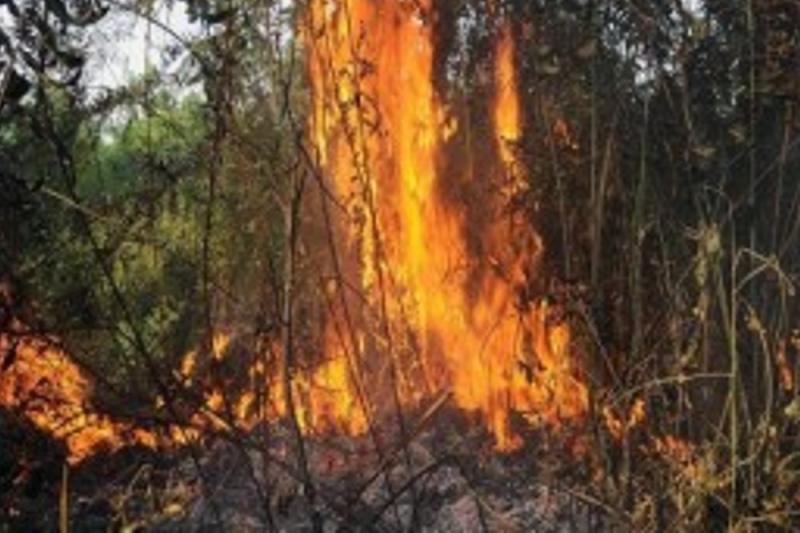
(52, 392)
(619, 427)
(331, 404)
(379, 127)
(444, 280)
(507, 115)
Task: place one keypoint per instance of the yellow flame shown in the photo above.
(379, 127)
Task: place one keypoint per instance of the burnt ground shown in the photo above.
(442, 476)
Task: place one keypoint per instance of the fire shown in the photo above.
(41, 382)
(619, 427)
(331, 404)
(325, 400)
(507, 115)
(444, 280)
(51, 391)
(450, 283)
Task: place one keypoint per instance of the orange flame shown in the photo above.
(379, 127)
(617, 426)
(52, 392)
(42, 383)
(507, 115)
(325, 400)
(448, 285)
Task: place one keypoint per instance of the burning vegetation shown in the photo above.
(453, 259)
(446, 276)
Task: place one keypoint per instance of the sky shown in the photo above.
(120, 49)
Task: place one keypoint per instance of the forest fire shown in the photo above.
(444, 282)
(324, 401)
(43, 384)
(47, 387)
(443, 278)
(402, 265)
(434, 267)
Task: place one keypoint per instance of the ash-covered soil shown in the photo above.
(440, 474)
